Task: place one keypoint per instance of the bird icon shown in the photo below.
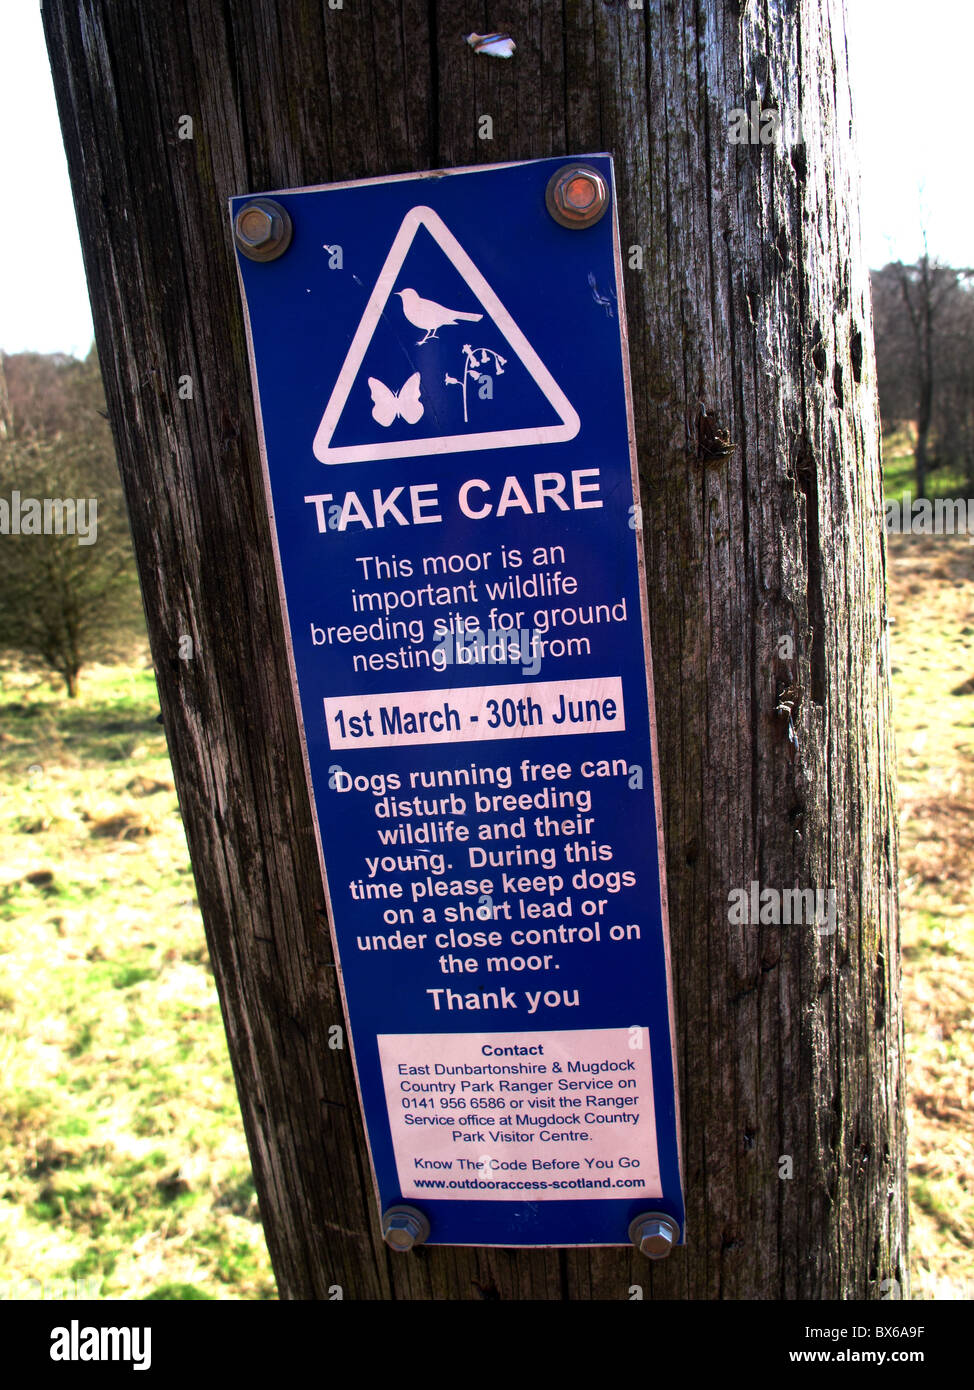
(427, 314)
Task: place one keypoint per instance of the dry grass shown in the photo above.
(932, 651)
(123, 1163)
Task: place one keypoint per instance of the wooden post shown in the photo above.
(751, 345)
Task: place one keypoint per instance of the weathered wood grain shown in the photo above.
(753, 307)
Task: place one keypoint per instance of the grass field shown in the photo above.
(123, 1167)
(122, 1158)
(932, 654)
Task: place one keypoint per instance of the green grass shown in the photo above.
(122, 1156)
(899, 473)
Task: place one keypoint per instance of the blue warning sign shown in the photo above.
(441, 379)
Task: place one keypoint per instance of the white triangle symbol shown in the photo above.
(450, 444)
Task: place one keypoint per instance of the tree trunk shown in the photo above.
(925, 407)
(920, 310)
(755, 399)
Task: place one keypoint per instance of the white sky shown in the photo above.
(912, 75)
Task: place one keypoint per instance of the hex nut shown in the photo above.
(255, 226)
(403, 1227)
(262, 230)
(654, 1234)
(577, 196)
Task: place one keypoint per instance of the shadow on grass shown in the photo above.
(97, 731)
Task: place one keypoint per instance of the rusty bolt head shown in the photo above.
(404, 1227)
(262, 230)
(654, 1234)
(577, 195)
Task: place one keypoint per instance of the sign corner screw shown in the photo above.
(262, 230)
(577, 195)
(404, 1226)
(654, 1234)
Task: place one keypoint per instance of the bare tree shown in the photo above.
(5, 417)
(954, 398)
(68, 588)
(923, 349)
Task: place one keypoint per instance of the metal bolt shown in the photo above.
(262, 230)
(577, 195)
(654, 1234)
(404, 1227)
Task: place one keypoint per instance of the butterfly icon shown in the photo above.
(387, 405)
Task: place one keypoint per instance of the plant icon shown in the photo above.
(472, 370)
